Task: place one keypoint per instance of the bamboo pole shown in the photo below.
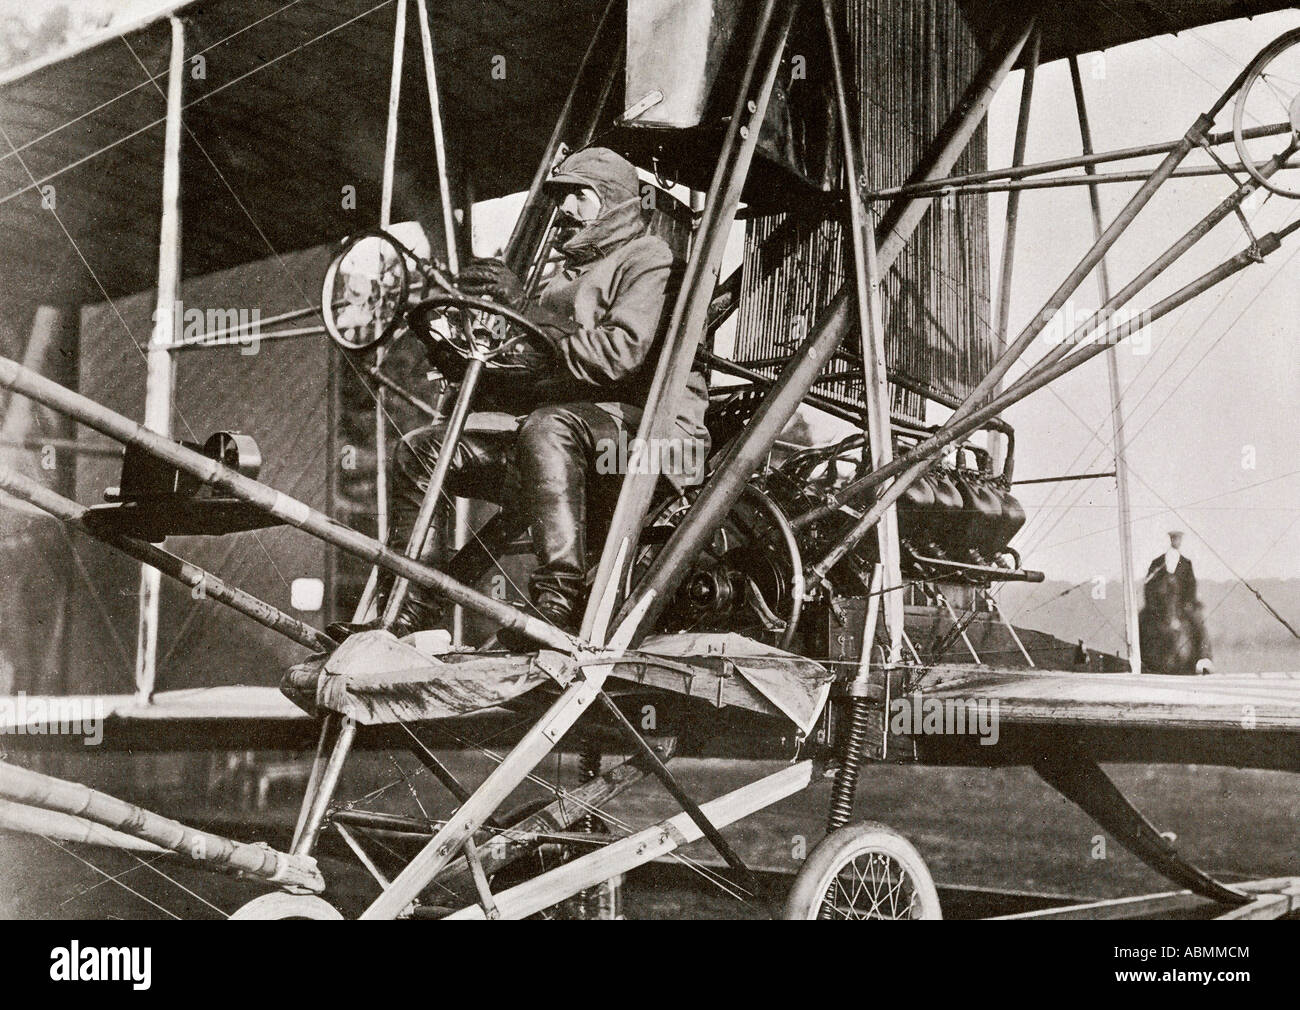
(67, 828)
(64, 509)
(394, 107)
(1100, 179)
(422, 532)
(1122, 503)
(282, 506)
(160, 375)
(460, 509)
(21, 785)
(385, 219)
(1003, 305)
(936, 186)
(439, 143)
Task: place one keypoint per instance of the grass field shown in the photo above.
(1000, 829)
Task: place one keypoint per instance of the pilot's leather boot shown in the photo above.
(423, 609)
(554, 445)
(558, 584)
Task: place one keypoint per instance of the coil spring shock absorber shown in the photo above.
(845, 785)
(588, 769)
(846, 778)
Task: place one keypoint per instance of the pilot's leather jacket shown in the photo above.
(607, 309)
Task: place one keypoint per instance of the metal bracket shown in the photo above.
(647, 103)
(556, 666)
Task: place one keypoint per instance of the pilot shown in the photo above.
(603, 313)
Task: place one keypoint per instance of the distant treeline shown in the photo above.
(1237, 621)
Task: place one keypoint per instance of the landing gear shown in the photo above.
(278, 905)
(863, 871)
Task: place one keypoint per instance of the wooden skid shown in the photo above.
(1271, 899)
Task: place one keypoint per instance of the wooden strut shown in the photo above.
(1078, 778)
(871, 334)
(669, 782)
(289, 510)
(211, 586)
(160, 369)
(690, 312)
(1003, 303)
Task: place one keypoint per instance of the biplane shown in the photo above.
(784, 606)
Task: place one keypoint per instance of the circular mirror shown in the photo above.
(364, 296)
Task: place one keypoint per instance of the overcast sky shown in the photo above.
(1214, 408)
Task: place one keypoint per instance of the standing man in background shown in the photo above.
(1171, 625)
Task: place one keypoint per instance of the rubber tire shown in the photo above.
(836, 849)
(279, 905)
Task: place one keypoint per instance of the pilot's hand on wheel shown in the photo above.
(490, 278)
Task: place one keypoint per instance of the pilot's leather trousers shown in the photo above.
(544, 477)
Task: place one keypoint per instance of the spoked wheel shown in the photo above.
(863, 871)
(1266, 117)
(278, 905)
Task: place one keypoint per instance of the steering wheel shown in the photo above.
(1266, 117)
(366, 300)
(471, 327)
